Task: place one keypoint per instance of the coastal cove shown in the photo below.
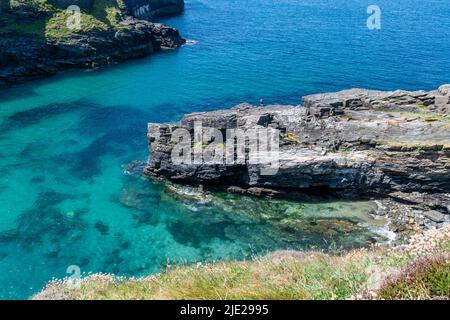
(72, 146)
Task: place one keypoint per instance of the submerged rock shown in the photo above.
(102, 227)
(269, 223)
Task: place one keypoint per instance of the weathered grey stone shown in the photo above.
(418, 94)
(441, 101)
(435, 216)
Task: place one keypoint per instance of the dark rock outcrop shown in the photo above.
(352, 144)
(25, 56)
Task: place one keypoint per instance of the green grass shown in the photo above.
(108, 11)
(403, 272)
(444, 246)
(56, 27)
(52, 23)
(316, 276)
(279, 276)
(38, 5)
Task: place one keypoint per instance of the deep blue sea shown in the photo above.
(66, 197)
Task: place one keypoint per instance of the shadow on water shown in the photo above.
(13, 93)
(119, 131)
(102, 119)
(44, 223)
(38, 114)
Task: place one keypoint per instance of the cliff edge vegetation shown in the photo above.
(419, 269)
(42, 18)
(49, 17)
(41, 37)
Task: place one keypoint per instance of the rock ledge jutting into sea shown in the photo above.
(393, 147)
(35, 40)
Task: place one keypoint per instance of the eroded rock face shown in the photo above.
(354, 143)
(24, 57)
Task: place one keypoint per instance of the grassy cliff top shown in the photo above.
(39, 17)
(417, 270)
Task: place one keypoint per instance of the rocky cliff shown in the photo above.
(351, 144)
(35, 39)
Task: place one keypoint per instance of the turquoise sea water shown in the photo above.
(66, 197)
